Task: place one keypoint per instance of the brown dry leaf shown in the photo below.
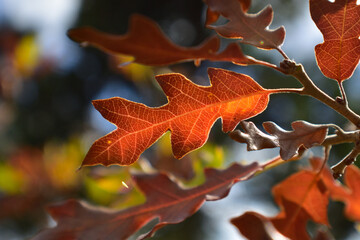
(250, 28)
(303, 134)
(253, 137)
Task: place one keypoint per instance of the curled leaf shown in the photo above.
(253, 137)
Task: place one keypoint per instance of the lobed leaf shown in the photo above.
(212, 16)
(189, 115)
(148, 45)
(303, 134)
(250, 28)
(339, 22)
(166, 201)
(266, 226)
(253, 137)
(350, 194)
(301, 197)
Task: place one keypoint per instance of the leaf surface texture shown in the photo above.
(189, 115)
(165, 200)
(339, 22)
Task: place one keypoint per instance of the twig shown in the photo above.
(343, 98)
(282, 53)
(266, 64)
(339, 168)
(310, 89)
(340, 136)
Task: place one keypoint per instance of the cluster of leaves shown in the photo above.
(192, 110)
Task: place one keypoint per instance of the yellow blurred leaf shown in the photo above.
(61, 162)
(133, 71)
(11, 180)
(26, 55)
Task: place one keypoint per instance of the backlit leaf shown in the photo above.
(166, 201)
(339, 22)
(189, 115)
(250, 28)
(350, 194)
(148, 44)
(301, 197)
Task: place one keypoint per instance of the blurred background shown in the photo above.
(47, 122)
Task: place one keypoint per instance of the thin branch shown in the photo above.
(266, 64)
(340, 136)
(310, 89)
(343, 99)
(276, 161)
(339, 168)
(287, 90)
(282, 53)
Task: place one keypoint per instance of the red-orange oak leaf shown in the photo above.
(148, 45)
(250, 28)
(189, 115)
(302, 197)
(265, 226)
(339, 23)
(350, 195)
(165, 201)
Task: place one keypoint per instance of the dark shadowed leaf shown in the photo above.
(148, 45)
(166, 201)
(212, 16)
(250, 28)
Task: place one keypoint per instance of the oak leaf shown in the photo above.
(303, 134)
(253, 225)
(339, 22)
(189, 115)
(301, 197)
(250, 28)
(212, 16)
(166, 201)
(253, 137)
(149, 46)
(350, 194)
